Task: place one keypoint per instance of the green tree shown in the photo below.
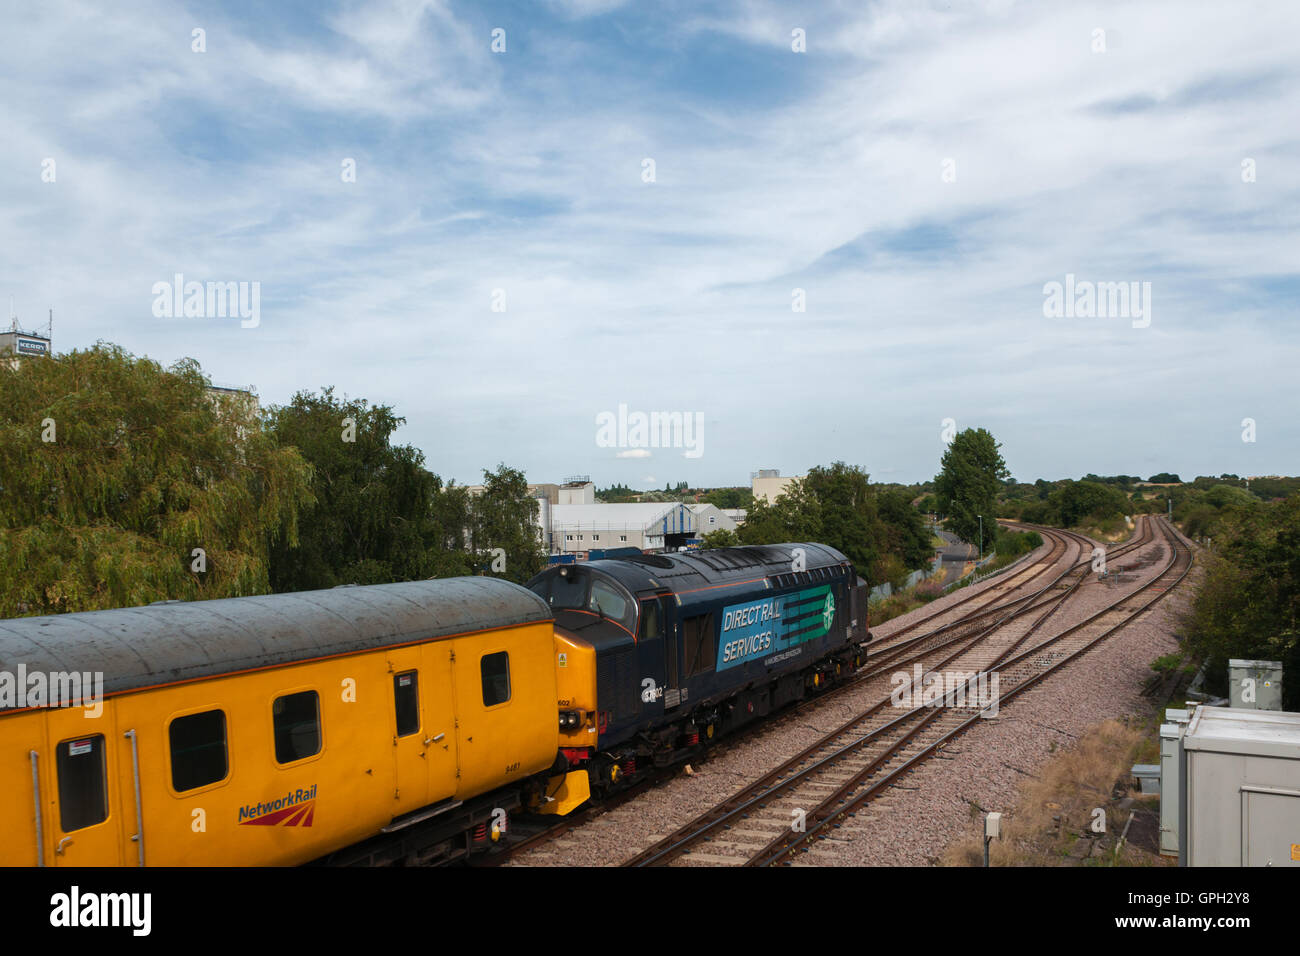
(113, 472)
(968, 482)
(1073, 501)
(374, 519)
(615, 494)
(847, 507)
(1248, 605)
(906, 531)
(722, 538)
(878, 531)
(795, 516)
(730, 498)
(504, 519)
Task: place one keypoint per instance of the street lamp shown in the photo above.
(981, 517)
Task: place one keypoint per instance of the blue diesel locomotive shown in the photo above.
(659, 654)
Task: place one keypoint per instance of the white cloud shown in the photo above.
(225, 165)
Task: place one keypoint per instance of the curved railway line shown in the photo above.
(986, 611)
(894, 652)
(827, 782)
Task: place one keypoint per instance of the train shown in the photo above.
(402, 723)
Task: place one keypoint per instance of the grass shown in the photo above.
(903, 602)
(1110, 530)
(1056, 810)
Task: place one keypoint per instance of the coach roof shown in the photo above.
(178, 641)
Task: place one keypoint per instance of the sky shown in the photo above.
(820, 232)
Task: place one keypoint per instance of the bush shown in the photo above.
(1012, 544)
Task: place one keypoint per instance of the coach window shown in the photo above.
(406, 694)
(296, 718)
(697, 634)
(495, 669)
(198, 744)
(83, 796)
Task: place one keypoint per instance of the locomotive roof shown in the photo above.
(185, 640)
(690, 570)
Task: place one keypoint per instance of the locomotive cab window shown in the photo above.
(83, 792)
(296, 718)
(650, 621)
(495, 669)
(198, 749)
(406, 697)
(697, 636)
(567, 589)
(607, 602)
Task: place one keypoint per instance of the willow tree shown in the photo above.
(122, 483)
(504, 525)
(379, 515)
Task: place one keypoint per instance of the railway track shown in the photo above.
(529, 833)
(814, 792)
(990, 607)
(989, 601)
(987, 618)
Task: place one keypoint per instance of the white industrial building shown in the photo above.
(649, 526)
(712, 518)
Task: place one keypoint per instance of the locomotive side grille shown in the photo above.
(616, 682)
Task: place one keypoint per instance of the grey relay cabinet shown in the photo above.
(1242, 779)
(1255, 685)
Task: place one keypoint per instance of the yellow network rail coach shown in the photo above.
(378, 724)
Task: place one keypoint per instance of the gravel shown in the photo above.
(913, 823)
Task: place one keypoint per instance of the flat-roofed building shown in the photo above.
(17, 344)
(735, 514)
(577, 491)
(235, 399)
(544, 492)
(768, 485)
(648, 526)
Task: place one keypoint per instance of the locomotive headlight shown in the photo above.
(569, 719)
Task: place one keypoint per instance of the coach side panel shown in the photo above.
(507, 720)
(272, 767)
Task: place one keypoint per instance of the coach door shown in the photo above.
(438, 707)
(407, 688)
(86, 818)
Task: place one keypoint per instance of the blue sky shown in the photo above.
(775, 170)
